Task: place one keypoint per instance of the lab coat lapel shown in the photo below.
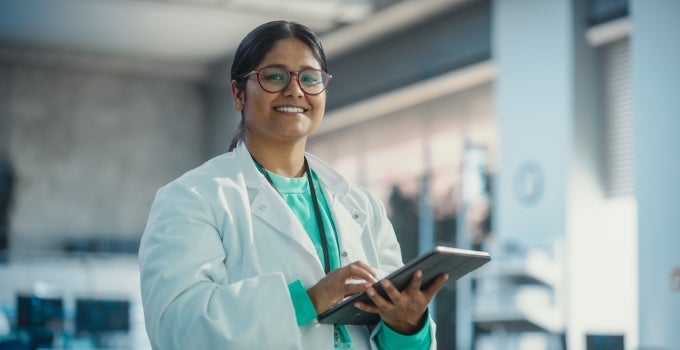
(268, 205)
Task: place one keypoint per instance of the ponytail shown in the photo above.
(238, 136)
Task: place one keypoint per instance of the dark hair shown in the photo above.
(257, 44)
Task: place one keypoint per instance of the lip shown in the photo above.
(290, 109)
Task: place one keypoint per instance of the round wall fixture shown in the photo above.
(529, 183)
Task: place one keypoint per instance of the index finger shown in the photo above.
(360, 270)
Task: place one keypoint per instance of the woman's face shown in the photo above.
(286, 116)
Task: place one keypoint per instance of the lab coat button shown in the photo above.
(263, 207)
(355, 216)
(344, 254)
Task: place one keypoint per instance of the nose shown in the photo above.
(293, 88)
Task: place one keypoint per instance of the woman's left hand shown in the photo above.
(403, 311)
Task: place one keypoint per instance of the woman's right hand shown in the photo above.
(339, 284)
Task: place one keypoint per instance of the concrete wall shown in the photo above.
(91, 146)
(221, 117)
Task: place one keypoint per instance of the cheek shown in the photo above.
(320, 104)
(255, 102)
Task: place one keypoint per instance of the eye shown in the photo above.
(274, 75)
(310, 77)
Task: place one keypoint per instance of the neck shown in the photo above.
(282, 159)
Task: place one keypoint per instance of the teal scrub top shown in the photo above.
(296, 193)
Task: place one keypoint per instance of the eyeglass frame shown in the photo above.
(297, 79)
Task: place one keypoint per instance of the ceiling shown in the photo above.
(195, 32)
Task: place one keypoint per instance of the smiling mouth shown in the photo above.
(287, 109)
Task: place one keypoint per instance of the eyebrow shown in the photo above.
(283, 66)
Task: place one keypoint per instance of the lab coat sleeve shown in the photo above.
(189, 301)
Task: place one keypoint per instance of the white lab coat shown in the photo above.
(221, 246)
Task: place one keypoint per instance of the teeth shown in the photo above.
(290, 109)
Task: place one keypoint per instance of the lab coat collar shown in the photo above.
(327, 175)
(253, 177)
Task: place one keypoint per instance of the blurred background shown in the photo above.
(540, 131)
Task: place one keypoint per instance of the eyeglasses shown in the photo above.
(275, 79)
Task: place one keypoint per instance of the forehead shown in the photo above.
(291, 53)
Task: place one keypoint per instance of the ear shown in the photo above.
(239, 96)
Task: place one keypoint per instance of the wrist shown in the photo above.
(407, 328)
(312, 298)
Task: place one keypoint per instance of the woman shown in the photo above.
(244, 251)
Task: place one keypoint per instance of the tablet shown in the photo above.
(454, 261)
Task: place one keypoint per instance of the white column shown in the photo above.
(532, 48)
(535, 93)
(656, 101)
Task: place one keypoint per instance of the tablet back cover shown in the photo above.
(454, 261)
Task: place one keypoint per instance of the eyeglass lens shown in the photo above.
(275, 79)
